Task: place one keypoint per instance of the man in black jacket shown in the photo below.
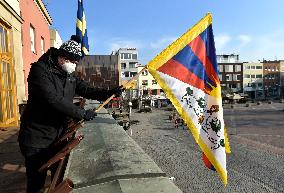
(52, 86)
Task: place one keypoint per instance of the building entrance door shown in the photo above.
(8, 104)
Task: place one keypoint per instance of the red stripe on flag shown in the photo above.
(180, 72)
(199, 49)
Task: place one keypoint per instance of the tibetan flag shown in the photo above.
(187, 72)
(81, 28)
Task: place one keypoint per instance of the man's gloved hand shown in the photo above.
(89, 115)
(117, 91)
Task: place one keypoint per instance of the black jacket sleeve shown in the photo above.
(42, 87)
(88, 91)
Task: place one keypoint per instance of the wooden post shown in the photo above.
(62, 153)
(64, 187)
(125, 85)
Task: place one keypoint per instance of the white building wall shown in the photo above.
(128, 61)
(225, 58)
(253, 76)
(146, 76)
(55, 39)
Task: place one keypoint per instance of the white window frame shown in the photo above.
(42, 45)
(33, 39)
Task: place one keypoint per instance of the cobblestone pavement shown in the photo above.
(255, 164)
(12, 169)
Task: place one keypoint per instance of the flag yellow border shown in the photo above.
(180, 43)
(162, 58)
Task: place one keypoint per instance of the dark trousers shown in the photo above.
(34, 159)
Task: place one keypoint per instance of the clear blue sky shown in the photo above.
(254, 29)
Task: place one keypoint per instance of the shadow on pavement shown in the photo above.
(12, 169)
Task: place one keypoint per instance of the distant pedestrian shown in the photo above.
(182, 123)
(176, 122)
(159, 104)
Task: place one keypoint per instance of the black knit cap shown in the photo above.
(71, 49)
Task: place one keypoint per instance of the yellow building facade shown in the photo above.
(253, 79)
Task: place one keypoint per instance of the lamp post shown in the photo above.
(130, 107)
(129, 113)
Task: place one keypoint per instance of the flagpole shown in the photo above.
(124, 86)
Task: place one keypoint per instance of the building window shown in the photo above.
(32, 38)
(247, 76)
(126, 74)
(154, 82)
(134, 56)
(132, 74)
(145, 82)
(145, 73)
(220, 68)
(235, 77)
(238, 77)
(258, 76)
(252, 67)
(228, 77)
(247, 67)
(42, 45)
(238, 68)
(125, 56)
(252, 76)
(229, 68)
(132, 64)
(123, 65)
(258, 67)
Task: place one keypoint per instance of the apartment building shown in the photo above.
(253, 79)
(12, 86)
(231, 72)
(128, 62)
(147, 85)
(271, 78)
(35, 33)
